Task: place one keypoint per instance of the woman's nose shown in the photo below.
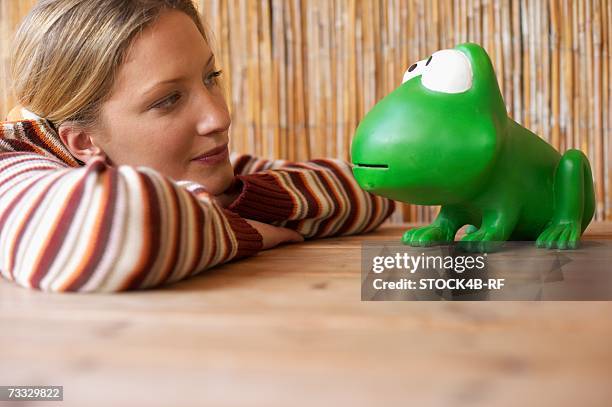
(213, 113)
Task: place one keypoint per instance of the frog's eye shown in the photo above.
(449, 71)
(414, 70)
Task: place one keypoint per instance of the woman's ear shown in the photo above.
(79, 141)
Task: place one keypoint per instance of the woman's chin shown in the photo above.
(216, 180)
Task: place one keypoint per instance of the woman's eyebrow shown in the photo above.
(153, 87)
(211, 59)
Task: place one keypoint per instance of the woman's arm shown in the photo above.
(101, 228)
(317, 198)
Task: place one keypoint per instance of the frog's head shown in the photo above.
(434, 138)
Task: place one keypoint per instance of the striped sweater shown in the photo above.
(66, 226)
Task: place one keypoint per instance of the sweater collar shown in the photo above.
(34, 134)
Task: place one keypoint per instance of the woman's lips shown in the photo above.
(215, 156)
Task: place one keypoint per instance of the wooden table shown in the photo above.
(287, 328)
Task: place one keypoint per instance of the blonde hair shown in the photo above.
(66, 53)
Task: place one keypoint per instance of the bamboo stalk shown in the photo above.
(340, 76)
(587, 67)
(567, 106)
(555, 61)
(506, 52)
(596, 110)
(477, 14)
(607, 103)
(533, 70)
(517, 107)
(545, 51)
(351, 96)
(526, 67)
(577, 128)
(582, 141)
(328, 143)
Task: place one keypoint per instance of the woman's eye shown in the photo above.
(211, 79)
(168, 102)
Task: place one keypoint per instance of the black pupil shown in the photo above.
(428, 61)
(412, 67)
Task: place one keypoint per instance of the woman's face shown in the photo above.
(166, 110)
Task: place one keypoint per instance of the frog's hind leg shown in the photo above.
(574, 202)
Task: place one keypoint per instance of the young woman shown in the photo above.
(115, 172)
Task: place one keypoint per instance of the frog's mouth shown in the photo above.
(375, 166)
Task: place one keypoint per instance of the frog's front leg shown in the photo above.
(497, 226)
(442, 230)
(574, 202)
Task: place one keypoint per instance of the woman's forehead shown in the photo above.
(171, 46)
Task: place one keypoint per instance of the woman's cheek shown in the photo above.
(173, 149)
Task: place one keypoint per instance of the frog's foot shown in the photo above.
(482, 240)
(427, 236)
(560, 235)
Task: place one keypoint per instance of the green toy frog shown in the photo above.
(444, 138)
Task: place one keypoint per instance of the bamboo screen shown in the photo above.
(301, 73)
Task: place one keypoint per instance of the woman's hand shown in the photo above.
(274, 235)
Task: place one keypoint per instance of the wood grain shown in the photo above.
(287, 327)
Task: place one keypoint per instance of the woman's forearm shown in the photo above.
(99, 228)
(317, 198)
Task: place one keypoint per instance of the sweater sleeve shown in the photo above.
(317, 198)
(103, 228)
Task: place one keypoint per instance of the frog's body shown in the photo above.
(459, 149)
